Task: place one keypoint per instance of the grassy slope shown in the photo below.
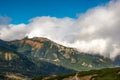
(103, 74)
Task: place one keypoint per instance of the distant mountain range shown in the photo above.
(41, 56)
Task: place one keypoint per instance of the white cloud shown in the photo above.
(12, 32)
(97, 31)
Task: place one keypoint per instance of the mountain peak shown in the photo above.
(41, 39)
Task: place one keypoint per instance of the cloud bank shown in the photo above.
(95, 32)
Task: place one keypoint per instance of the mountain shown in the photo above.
(39, 48)
(17, 66)
(102, 74)
(30, 57)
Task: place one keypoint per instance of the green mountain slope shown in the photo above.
(43, 49)
(103, 74)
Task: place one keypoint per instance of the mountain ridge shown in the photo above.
(43, 48)
(49, 58)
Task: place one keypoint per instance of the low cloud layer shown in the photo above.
(96, 32)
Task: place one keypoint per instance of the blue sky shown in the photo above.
(95, 31)
(22, 10)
